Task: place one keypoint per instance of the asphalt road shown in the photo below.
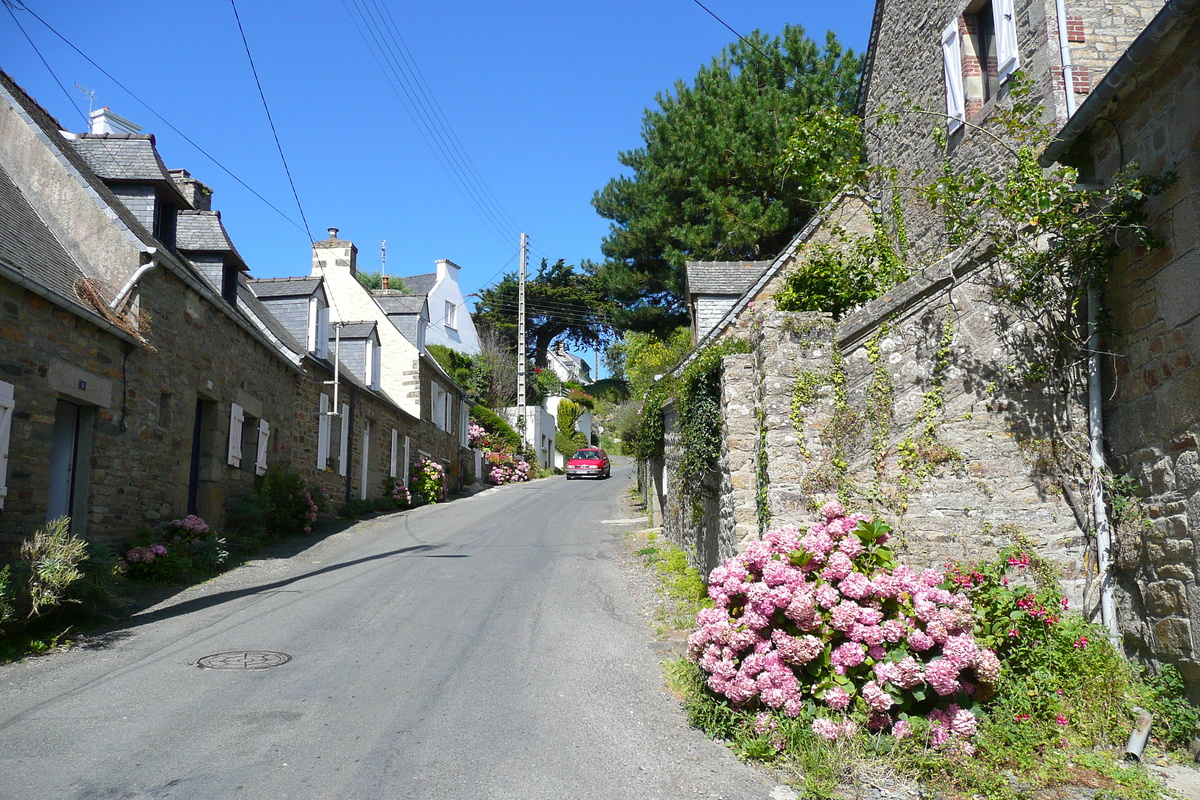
(484, 648)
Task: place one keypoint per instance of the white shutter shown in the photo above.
(1008, 59)
(952, 67)
(323, 434)
(7, 403)
(344, 452)
(322, 348)
(376, 366)
(407, 460)
(264, 431)
(392, 462)
(236, 418)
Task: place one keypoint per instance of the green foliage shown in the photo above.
(374, 281)
(562, 302)
(578, 395)
(501, 435)
(708, 182)
(638, 357)
(53, 557)
(427, 483)
(543, 383)
(7, 611)
(698, 399)
(609, 390)
(356, 508)
(461, 368)
(282, 504)
(568, 440)
(642, 431)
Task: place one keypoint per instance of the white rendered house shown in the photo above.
(449, 320)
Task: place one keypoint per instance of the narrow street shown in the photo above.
(484, 648)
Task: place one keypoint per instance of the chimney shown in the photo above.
(105, 121)
(334, 253)
(447, 269)
(196, 193)
(385, 283)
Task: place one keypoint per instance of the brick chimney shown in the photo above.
(195, 192)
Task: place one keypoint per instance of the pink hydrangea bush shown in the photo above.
(826, 625)
(476, 435)
(510, 472)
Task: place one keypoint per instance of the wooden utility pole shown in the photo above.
(521, 421)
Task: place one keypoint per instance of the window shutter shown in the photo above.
(1008, 58)
(322, 348)
(264, 431)
(323, 434)
(952, 66)
(376, 366)
(344, 454)
(236, 418)
(7, 403)
(392, 462)
(407, 460)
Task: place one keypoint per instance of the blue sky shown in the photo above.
(540, 96)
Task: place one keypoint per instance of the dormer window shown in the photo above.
(165, 221)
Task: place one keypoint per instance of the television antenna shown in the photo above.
(91, 93)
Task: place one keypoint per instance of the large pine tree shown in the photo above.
(710, 182)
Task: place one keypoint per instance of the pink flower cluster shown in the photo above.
(145, 555)
(190, 527)
(510, 472)
(476, 435)
(400, 493)
(793, 602)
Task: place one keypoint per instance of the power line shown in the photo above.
(161, 118)
(267, 109)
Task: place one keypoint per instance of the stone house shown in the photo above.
(143, 377)
(923, 404)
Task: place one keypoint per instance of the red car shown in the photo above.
(591, 462)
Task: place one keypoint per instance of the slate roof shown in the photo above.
(29, 248)
(723, 277)
(356, 330)
(202, 232)
(126, 157)
(420, 284)
(284, 287)
(400, 303)
(250, 306)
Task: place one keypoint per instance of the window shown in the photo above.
(451, 315)
(229, 283)
(323, 434)
(979, 53)
(236, 418)
(7, 404)
(318, 328)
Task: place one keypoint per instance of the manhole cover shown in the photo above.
(244, 659)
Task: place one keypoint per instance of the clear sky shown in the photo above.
(539, 95)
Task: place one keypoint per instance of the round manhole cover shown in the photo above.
(244, 659)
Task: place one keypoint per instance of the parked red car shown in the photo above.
(591, 462)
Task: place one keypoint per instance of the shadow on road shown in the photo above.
(208, 601)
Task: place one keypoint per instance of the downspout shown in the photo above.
(350, 446)
(154, 255)
(1108, 605)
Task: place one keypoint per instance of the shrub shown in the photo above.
(53, 556)
(356, 508)
(289, 504)
(510, 472)
(428, 482)
(582, 398)
(501, 435)
(827, 627)
(187, 549)
(396, 494)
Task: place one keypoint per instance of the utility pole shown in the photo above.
(521, 421)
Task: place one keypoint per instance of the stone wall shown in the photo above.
(1152, 379)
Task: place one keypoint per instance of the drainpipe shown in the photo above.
(1108, 606)
(155, 257)
(1064, 50)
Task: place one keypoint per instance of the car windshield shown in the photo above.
(587, 454)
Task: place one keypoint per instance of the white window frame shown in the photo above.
(236, 417)
(7, 404)
(344, 445)
(323, 432)
(376, 366)
(321, 350)
(451, 315)
(1004, 22)
(956, 108)
(392, 458)
(264, 432)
